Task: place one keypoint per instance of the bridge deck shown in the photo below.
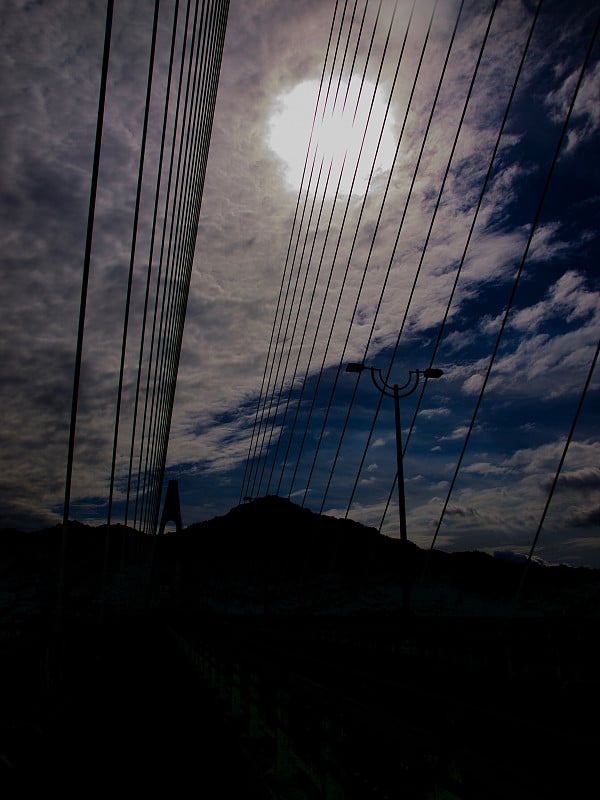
(125, 709)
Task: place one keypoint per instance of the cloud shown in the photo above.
(428, 413)
(569, 298)
(587, 115)
(386, 277)
(483, 468)
(582, 480)
(584, 518)
(457, 434)
(544, 354)
(461, 511)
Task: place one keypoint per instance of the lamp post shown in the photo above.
(397, 392)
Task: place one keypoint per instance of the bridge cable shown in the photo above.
(82, 311)
(141, 498)
(299, 306)
(340, 234)
(469, 237)
(438, 202)
(404, 212)
(274, 342)
(355, 236)
(439, 198)
(518, 274)
(368, 261)
(129, 287)
(258, 458)
(172, 275)
(262, 388)
(303, 382)
(196, 148)
(136, 403)
(211, 62)
(155, 354)
(557, 473)
(333, 261)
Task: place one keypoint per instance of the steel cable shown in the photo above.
(561, 462)
(82, 311)
(136, 213)
(336, 249)
(174, 250)
(355, 236)
(158, 362)
(519, 272)
(292, 380)
(140, 503)
(405, 209)
(202, 126)
(258, 457)
(150, 260)
(470, 234)
(368, 261)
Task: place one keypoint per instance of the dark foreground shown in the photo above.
(306, 707)
(118, 706)
(275, 653)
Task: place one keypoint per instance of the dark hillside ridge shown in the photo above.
(283, 531)
(280, 531)
(271, 553)
(287, 545)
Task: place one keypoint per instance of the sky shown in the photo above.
(409, 265)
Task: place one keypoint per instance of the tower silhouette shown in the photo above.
(171, 508)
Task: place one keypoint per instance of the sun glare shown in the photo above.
(345, 123)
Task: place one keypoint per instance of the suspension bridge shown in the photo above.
(347, 289)
(351, 266)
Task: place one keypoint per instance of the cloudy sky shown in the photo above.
(454, 211)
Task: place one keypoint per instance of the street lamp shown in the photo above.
(397, 392)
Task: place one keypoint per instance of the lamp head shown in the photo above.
(355, 366)
(433, 373)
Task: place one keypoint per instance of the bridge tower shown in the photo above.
(171, 508)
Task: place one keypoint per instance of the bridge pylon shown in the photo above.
(171, 509)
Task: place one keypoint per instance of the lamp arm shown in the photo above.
(415, 381)
(381, 385)
(388, 390)
(409, 381)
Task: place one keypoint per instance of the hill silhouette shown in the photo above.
(301, 559)
(272, 554)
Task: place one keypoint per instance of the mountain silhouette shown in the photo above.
(272, 554)
(323, 563)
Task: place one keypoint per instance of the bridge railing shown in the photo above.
(288, 727)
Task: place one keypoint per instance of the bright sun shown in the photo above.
(339, 130)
